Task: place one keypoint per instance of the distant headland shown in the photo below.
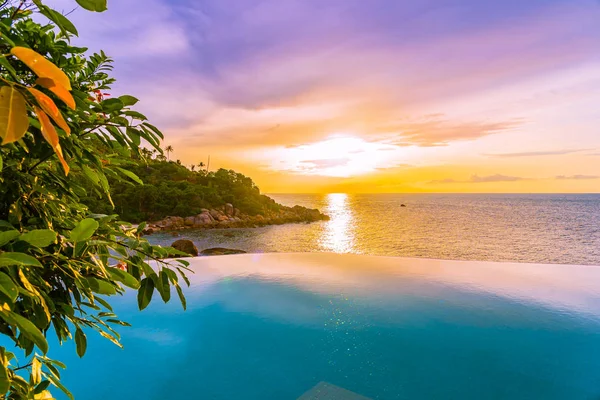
(175, 197)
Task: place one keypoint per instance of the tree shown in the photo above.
(201, 165)
(59, 263)
(192, 167)
(168, 150)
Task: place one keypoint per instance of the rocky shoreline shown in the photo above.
(227, 216)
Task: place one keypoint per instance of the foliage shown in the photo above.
(171, 189)
(62, 136)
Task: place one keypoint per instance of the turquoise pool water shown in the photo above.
(272, 326)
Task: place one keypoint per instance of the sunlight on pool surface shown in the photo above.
(273, 326)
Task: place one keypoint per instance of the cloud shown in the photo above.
(577, 177)
(444, 181)
(481, 179)
(495, 178)
(537, 153)
(326, 163)
(440, 132)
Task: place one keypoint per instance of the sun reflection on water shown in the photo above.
(338, 236)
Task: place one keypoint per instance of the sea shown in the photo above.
(528, 228)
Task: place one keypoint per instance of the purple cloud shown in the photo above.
(577, 177)
(481, 179)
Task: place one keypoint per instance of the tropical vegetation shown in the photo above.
(170, 188)
(65, 137)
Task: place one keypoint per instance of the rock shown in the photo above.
(189, 221)
(222, 218)
(236, 212)
(186, 246)
(221, 251)
(229, 210)
(203, 219)
(215, 214)
(402, 205)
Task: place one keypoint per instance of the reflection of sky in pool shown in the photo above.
(272, 326)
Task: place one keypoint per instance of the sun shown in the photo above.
(339, 155)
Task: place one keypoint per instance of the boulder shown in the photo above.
(189, 221)
(222, 218)
(236, 212)
(186, 246)
(220, 251)
(215, 214)
(229, 210)
(203, 219)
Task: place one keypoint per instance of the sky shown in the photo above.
(365, 96)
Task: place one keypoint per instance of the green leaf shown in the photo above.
(93, 5)
(4, 380)
(81, 342)
(134, 135)
(56, 382)
(124, 277)
(84, 230)
(27, 328)
(131, 175)
(116, 321)
(39, 237)
(60, 20)
(128, 100)
(91, 174)
(181, 296)
(145, 293)
(42, 386)
(164, 288)
(135, 114)
(10, 258)
(7, 236)
(8, 286)
(111, 105)
(103, 302)
(100, 286)
(155, 130)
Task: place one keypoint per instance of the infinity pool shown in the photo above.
(272, 326)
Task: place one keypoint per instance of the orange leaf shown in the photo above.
(13, 115)
(41, 66)
(51, 137)
(50, 108)
(58, 90)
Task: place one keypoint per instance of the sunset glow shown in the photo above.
(498, 97)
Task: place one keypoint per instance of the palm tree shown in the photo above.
(201, 165)
(192, 167)
(169, 149)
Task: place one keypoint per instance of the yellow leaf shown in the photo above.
(58, 90)
(51, 137)
(50, 108)
(13, 115)
(41, 66)
(44, 395)
(36, 371)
